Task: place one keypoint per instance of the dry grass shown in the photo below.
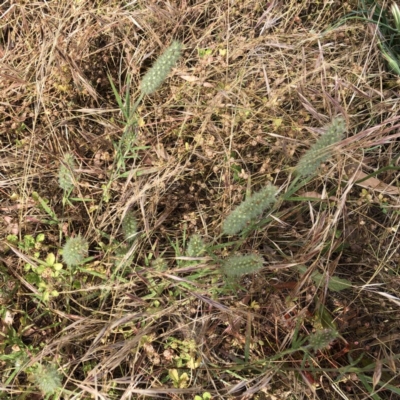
(254, 86)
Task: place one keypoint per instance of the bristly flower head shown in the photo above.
(65, 173)
(75, 251)
(249, 209)
(129, 227)
(196, 246)
(322, 338)
(47, 379)
(321, 150)
(235, 266)
(161, 68)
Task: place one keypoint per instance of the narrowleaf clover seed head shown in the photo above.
(47, 379)
(129, 227)
(196, 246)
(248, 210)
(65, 173)
(161, 68)
(127, 140)
(321, 150)
(322, 338)
(235, 266)
(75, 251)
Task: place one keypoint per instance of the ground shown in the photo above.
(115, 271)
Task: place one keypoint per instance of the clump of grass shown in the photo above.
(150, 83)
(388, 31)
(389, 45)
(164, 299)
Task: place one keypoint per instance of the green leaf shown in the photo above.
(173, 373)
(118, 98)
(58, 266)
(12, 239)
(338, 284)
(44, 205)
(324, 316)
(50, 259)
(335, 284)
(40, 238)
